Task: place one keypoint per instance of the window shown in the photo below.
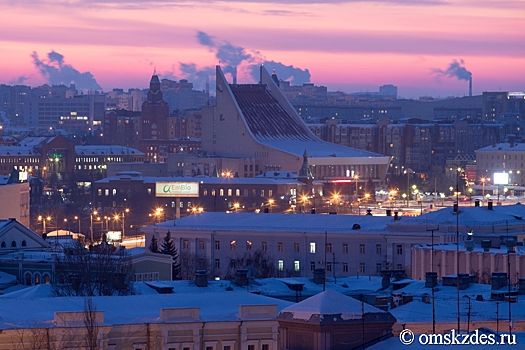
(13, 244)
(296, 246)
(379, 267)
(345, 248)
(312, 265)
(232, 245)
(361, 249)
(245, 192)
(280, 265)
(185, 244)
(24, 243)
(345, 267)
(262, 193)
(230, 193)
(270, 193)
(378, 249)
(399, 249)
(233, 263)
(328, 247)
(399, 267)
(227, 347)
(213, 193)
(296, 266)
(114, 192)
(238, 192)
(201, 244)
(248, 245)
(280, 246)
(217, 263)
(221, 192)
(106, 192)
(362, 267)
(3, 244)
(312, 247)
(149, 191)
(205, 192)
(217, 245)
(265, 347)
(264, 246)
(328, 266)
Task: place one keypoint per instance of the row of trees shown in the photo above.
(167, 246)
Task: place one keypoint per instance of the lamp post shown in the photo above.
(404, 195)
(44, 219)
(123, 221)
(356, 178)
(336, 201)
(470, 194)
(304, 199)
(78, 220)
(270, 202)
(91, 223)
(367, 196)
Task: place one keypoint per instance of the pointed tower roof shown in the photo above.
(305, 171)
(215, 173)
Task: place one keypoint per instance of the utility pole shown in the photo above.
(432, 270)
(457, 247)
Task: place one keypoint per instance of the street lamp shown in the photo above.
(123, 221)
(404, 195)
(356, 178)
(367, 196)
(270, 202)
(41, 218)
(115, 217)
(470, 194)
(304, 199)
(336, 201)
(91, 222)
(78, 220)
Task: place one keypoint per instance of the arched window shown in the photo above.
(3, 244)
(37, 278)
(47, 278)
(24, 243)
(28, 279)
(13, 244)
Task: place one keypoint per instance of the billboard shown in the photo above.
(177, 189)
(501, 178)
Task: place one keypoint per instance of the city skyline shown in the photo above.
(423, 47)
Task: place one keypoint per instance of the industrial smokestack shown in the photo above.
(470, 86)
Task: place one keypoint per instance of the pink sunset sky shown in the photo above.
(345, 45)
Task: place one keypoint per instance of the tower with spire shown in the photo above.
(155, 112)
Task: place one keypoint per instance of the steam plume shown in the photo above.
(57, 72)
(455, 70)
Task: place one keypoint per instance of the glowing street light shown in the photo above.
(270, 202)
(126, 211)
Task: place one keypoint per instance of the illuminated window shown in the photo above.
(248, 245)
(296, 266)
(232, 245)
(221, 192)
(312, 247)
(281, 265)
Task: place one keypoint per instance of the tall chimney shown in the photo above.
(470, 86)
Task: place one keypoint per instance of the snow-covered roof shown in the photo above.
(33, 306)
(273, 126)
(106, 150)
(225, 181)
(504, 147)
(280, 222)
(329, 302)
(18, 151)
(468, 216)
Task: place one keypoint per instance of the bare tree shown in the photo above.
(259, 259)
(101, 270)
(91, 324)
(34, 338)
(190, 262)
